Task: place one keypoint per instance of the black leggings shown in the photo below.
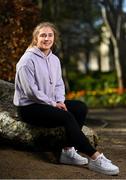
(72, 120)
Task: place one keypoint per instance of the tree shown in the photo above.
(115, 19)
(17, 20)
(76, 25)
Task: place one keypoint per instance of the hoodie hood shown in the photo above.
(38, 52)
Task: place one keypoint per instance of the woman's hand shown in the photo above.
(61, 105)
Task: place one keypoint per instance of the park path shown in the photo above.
(110, 125)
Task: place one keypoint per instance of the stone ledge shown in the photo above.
(11, 127)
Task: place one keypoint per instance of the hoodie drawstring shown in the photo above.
(50, 73)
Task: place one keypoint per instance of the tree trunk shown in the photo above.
(116, 50)
(122, 54)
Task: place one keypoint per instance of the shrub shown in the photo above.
(17, 19)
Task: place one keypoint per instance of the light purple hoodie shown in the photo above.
(38, 79)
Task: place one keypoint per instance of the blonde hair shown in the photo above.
(39, 27)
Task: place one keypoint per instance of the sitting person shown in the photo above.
(40, 100)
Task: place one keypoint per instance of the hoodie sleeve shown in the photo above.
(29, 88)
(59, 88)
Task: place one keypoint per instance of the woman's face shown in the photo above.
(45, 39)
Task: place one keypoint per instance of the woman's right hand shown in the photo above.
(61, 105)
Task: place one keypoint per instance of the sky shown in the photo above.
(124, 6)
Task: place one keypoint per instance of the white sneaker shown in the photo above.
(103, 165)
(71, 156)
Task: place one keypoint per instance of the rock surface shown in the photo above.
(12, 128)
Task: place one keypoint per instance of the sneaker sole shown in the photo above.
(116, 172)
(73, 163)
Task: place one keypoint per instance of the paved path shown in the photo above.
(110, 125)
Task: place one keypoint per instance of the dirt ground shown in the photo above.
(110, 124)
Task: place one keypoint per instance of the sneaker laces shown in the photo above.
(75, 155)
(106, 159)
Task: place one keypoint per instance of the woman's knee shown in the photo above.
(81, 107)
(84, 107)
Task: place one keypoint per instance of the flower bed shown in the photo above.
(110, 97)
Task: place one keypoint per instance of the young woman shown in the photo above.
(40, 98)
